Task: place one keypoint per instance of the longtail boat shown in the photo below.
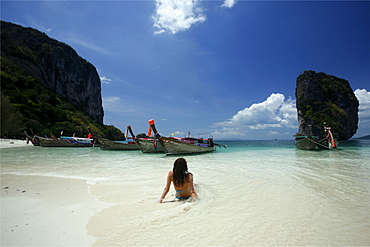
(66, 141)
(188, 145)
(106, 144)
(146, 143)
(311, 142)
(306, 142)
(33, 139)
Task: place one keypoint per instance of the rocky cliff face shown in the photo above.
(55, 65)
(325, 98)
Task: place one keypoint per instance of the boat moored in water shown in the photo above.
(187, 145)
(65, 141)
(306, 142)
(146, 143)
(106, 144)
(311, 142)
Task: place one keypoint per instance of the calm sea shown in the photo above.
(251, 193)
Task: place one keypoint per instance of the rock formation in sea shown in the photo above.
(54, 64)
(323, 98)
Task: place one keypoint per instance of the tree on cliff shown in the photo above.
(325, 98)
(11, 119)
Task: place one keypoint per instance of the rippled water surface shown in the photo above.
(252, 193)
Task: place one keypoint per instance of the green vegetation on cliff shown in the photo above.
(326, 98)
(27, 104)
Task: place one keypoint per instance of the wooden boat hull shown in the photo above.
(306, 143)
(48, 142)
(173, 147)
(323, 144)
(106, 144)
(326, 144)
(147, 145)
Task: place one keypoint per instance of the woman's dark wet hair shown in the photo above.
(180, 172)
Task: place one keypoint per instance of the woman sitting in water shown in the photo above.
(182, 181)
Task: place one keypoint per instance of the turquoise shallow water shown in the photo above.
(251, 193)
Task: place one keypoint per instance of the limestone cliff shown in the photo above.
(55, 65)
(325, 98)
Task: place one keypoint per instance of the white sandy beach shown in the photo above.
(45, 211)
(8, 143)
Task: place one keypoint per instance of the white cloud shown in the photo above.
(115, 104)
(71, 38)
(274, 116)
(178, 134)
(273, 112)
(105, 80)
(112, 99)
(173, 16)
(227, 132)
(39, 25)
(229, 3)
(363, 97)
(177, 15)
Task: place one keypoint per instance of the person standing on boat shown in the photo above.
(182, 181)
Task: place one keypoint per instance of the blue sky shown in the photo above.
(223, 67)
